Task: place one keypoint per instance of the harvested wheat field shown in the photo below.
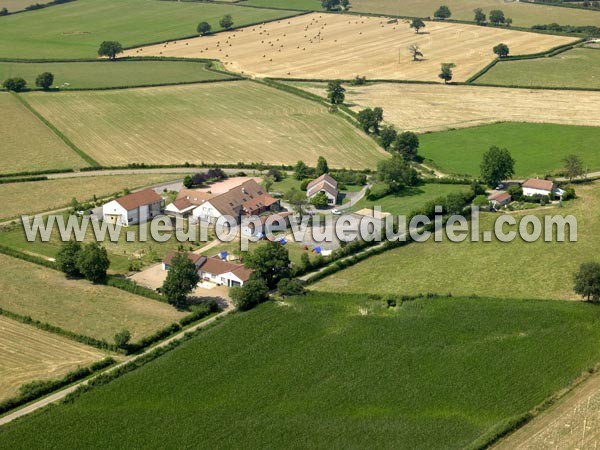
(213, 123)
(421, 108)
(327, 46)
(28, 354)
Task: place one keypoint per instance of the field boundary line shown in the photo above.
(56, 131)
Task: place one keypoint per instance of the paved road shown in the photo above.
(180, 170)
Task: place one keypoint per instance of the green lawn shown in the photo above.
(578, 68)
(111, 74)
(332, 372)
(509, 270)
(538, 149)
(307, 5)
(75, 30)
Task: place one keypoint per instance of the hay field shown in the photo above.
(28, 354)
(77, 305)
(28, 144)
(424, 108)
(328, 46)
(523, 14)
(221, 122)
(18, 5)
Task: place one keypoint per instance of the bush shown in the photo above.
(44, 80)
(122, 338)
(378, 191)
(569, 194)
(254, 292)
(16, 84)
(304, 184)
(288, 287)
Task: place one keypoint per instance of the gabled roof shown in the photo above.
(499, 197)
(261, 201)
(323, 178)
(322, 186)
(194, 257)
(137, 199)
(195, 197)
(536, 183)
(217, 266)
(231, 203)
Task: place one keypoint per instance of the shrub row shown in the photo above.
(35, 172)
(132, 287)
(174, 83)
(240, 165)
(9, 251)
(22, 180)
(36, 389)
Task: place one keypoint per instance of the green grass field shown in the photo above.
(106, 74)
(220, 122)
(538, 149)
(75, 30)
(523, 14)
(579, 68)
(77, 305)
(335, 372)
(508, 270)
(307, 5)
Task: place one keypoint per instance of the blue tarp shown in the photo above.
(318, 249)
(282, 241)
(223, 255)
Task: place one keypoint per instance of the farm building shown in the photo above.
(194, 257)
(133, 208)
(187, 200)
(326, 184)
(534, 186)
(499, 199)
(225, 273)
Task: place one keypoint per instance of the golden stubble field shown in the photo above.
(328, 46)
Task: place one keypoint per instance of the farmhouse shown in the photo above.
(534, 186)
(133, 208)
(326, 184)
(500, 199)
(194, 257)
(187, 200)
(226, 273)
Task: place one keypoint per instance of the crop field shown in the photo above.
(86, 75)
(308, 5)
(328, 46)
(577, 68)
(461, 151)
(221, 122)
(75, 30)
(17, 5)
(334, 371)
(40, 196)
(523, 14)
(29, 354)
(28, 144)
(516, 269)
(78, 306)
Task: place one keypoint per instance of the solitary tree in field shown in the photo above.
(443, 12)
(181, 280)
(407, 144)
(415, 51)
(226, 22)
(16, 84)
(110, 49)
(203, 28)
(446, 72)
(497, 17)
(479, 16)
(93, 262)
(336, 92)
(44, 80)
(587, 281)
(573, 167)
(501, 50)
(66, 259)
(322, 166)
(497, 165)
(417, 24)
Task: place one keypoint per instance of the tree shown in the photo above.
(322, 166)
(254, 292)
(301, 171)
(443, 12)
(415, 51)
(446, 72)
(406, 145)
(573, 167)
(66, 258)
(44, 80)
(336, 92)
(497, 17)
(188, 181)
(497, 165)
(297, 199)
(479, 16)
(288, 287)
(397, 173)
(587, 281)
(122, 338)
(268, 182)
(330, 5)
(481, 201)
(16, 84)
(417, 24)
(226, 22)
(276, 174)
(508, 21)
(110, 49)
(271, 263)
(181, 280)
(370, 119)
(203, 28)
(501, 50)
(93, 262)
(320, 200)
(346, 4)
(387, 136)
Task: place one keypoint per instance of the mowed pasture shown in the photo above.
(40, 196)
(105, 74)
(577, 68)
(29, 354)
(330, 46)
(75, 30)
(28, 144)
(517, 269)
(77, 305)
(523, 14)
(220, 123)
(335, 371)
(461, 151)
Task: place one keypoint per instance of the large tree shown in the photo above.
(407, 144)
(203, 28)
(397, 173)
(501, 50)
(497, 17)
(336, 92)
(297, 199)
(254, 292)
(301, 171)
(446, 72)
(110, 49)
(370, 119)
(226, 22)
(415, 51)
(16, 84)
(417, 24)
(330, 5)
(322, 166)
(93, 262)
(271, 263)
(443, 12)
(497, 165)
(66, 258)
(479, 16)
(44, 80)
(181, 280)
(387, 136)
(587, 281)
(573, 167)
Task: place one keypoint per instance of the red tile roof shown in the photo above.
(194, 257)
(536, 183)
(137, 199)
(499, 197)
(323, 178)
(217, 266)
